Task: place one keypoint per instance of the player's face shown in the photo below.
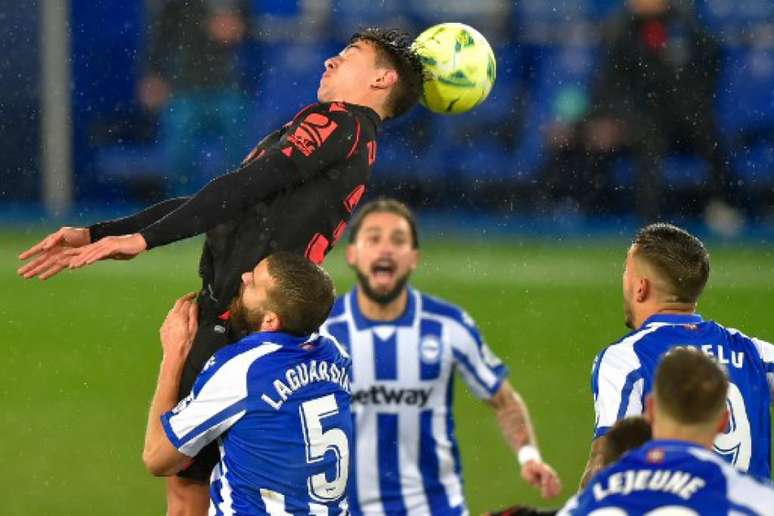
(348, 73)
(249, 308)
(383, 256)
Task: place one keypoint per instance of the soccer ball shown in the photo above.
(460, 67)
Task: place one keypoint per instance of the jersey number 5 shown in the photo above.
(735, 444)
(318, 442)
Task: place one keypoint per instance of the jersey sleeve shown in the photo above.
(136, 222)
(211, 408)
(317, 138)
(617, 384)
(217, 400)
(766, 352)
(482, 370)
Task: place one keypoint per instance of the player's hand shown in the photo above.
(179, 328)
(542, 476)
(49, 254)
(123, 247)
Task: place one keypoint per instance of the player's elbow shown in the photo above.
(154, 465)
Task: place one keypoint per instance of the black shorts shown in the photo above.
(213, 333)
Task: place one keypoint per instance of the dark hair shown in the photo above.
(302, 295)
(689, 386)
(384, 205)
(393, 50)
(679, 258)
(626, 434)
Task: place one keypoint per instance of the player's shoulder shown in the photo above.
(339, 314)
(340, 112)
(757, 492)
(250, 348)
(764, 348)
(624, 352)
(235, 360)
(331, 347)
(435, 306)
(339, 308)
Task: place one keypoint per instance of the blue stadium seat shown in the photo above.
(406, 150)
(106, 39)
(681, 171)
(731, 19)
(754, 166)
(560, 86)
(289, 77)
(746, 91)
(552, 13)
(349, 16)
(685, 171)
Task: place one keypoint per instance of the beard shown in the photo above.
(244, 320)
(382, 298)
(628, 316)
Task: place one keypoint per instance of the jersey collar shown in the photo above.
(673, 319)
(362, 322)
(369, 113)
(667, 443)
(278, 337)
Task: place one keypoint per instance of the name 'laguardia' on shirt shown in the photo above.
(679, 483)
(302, 375)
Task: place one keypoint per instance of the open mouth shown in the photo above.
(383, 270)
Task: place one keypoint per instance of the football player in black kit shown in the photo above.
(294, 192)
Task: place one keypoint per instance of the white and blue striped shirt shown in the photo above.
(623, 375)
(406, 459)
(672, 477)
(278, 406)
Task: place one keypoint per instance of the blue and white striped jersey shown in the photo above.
(672, 478)
(279, 407)
(623, 375)
(406, 459)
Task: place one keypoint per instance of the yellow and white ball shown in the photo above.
(460, 67)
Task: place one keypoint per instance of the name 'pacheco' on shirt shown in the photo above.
(406, 459)
(623, 373)
(279, 407)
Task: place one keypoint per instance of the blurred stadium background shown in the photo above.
(80, 352)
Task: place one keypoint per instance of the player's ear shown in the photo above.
(416, 259)
(649, 408)
(351, 254)
(642, 290)
(387, 78)
(723, 421)
(271, 322)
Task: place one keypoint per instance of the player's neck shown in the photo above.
(677, 432)
(375, 104)
(664, 309)
(382, 311)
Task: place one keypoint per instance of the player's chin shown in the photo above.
(383, 285)
(323, 95)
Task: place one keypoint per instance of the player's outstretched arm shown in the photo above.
(160, 456)
(124, 247)
(49, 255)
(318, 138)
(516, 427)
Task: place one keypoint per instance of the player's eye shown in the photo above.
(399, 239)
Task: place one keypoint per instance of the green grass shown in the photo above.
(80, 356)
